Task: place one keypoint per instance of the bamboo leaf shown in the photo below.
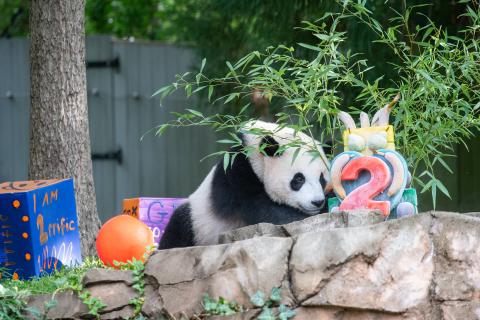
(231, 97)
(443, 163)
(210, 91)
(204, 61)
(195, 112)
(307, 46)
(226, 160)
(443, 189)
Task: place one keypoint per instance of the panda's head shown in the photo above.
(294, 176)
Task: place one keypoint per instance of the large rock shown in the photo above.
(457, 265)
(68, 306)
(179, 278)
(340, 266)
(385, 267)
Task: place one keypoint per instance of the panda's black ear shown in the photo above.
(270, 146)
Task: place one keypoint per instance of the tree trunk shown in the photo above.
(59, 136)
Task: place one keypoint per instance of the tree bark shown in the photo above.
(59, 135)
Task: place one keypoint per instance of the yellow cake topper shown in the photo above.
(370, 136)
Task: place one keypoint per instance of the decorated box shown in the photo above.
(154, 212)
(38, 227)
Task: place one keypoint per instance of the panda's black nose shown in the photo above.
(318, 203)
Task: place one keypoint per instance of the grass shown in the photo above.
(14, 293)
(63, 279)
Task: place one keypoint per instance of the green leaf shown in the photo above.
(209, 304)
(199, 89)
(243, 109)
(287, 314)
(258, 299)
(162, 90)
(427, 186)
(267, 314)
(294, 157)
(204, 61)
(226, 160)
(232, 96)
(224, 309)
(227, 141)
(477, 106)
(276, 293)
(195, 112)
(443, 189)
(210, 91)
(443, 163)
(310, 47)
(230, 67)
(188, 90)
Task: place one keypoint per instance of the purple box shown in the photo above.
(154, 212)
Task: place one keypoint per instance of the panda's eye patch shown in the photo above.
(323, 182)
(297, 182)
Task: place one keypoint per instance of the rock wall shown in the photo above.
(341, 266)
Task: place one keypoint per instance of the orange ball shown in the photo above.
(122, 238)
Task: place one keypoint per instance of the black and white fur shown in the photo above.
(266, 187)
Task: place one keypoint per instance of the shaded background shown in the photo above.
(143, 45)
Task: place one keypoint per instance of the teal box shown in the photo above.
(38, 227)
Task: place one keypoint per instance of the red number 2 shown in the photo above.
(361, 197)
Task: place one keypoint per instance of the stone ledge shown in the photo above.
(422, 267)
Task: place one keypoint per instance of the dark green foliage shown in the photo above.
(12, 302)
(227, 30)
(126, 18)
(14, 17)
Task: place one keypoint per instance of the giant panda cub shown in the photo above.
(263, 187)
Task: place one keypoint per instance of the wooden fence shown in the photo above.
(121, 77)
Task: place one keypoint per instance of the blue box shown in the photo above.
(38, 227)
